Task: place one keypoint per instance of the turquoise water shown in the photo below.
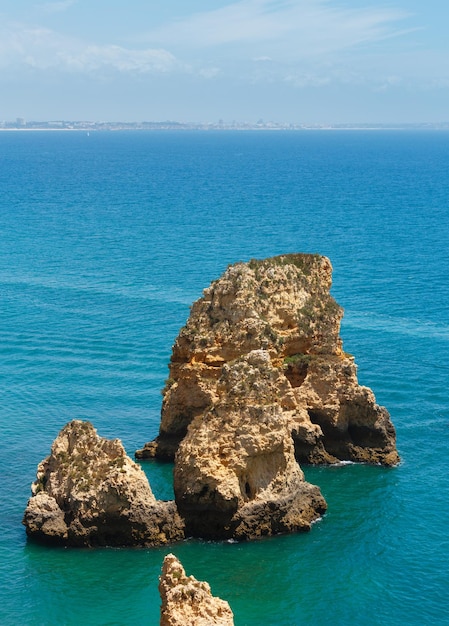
(105, 241)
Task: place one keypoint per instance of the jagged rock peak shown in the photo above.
(281, 305)
(89, 492)
(187, 601)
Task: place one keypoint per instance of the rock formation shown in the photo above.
(187, 601)
(258, 382)
(235, 471)
(89, 492)
(282, 306)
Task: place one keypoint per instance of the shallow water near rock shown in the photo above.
(106, 240)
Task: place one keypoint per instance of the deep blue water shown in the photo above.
(105, 241)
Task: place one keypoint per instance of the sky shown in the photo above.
(288, 61)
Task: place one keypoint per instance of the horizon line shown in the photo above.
(66, 124)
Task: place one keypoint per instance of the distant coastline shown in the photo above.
(87, 126)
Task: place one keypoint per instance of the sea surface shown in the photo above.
(105, 241)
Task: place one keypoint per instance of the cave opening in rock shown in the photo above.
(296, 373)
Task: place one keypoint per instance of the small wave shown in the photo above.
(397, 325)
(341, 463)
(146, 292)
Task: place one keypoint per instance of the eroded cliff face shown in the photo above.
(235, 471)
(282, 306)
(258, 382)
(187, 601)
(89, 492)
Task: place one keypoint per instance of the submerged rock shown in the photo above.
(89, 492)
(283, 306)
(187, 601)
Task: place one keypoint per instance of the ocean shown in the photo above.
(106, 239)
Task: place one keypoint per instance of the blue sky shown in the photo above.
(300, 61)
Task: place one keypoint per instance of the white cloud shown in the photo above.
(94, 57)
(209, 72)
(294, 28)
(57, 7)
(44, 49)
(388, 83)
(296, 42)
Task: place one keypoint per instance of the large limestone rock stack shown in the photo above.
(235, 471)
(187, 601)
(89, 492)
(282, 306)
(258, 382)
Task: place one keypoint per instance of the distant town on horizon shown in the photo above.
(21, 124)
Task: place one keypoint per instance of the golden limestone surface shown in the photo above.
(187, 601)
(282, 306)
(88, 492)
(258, 383)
